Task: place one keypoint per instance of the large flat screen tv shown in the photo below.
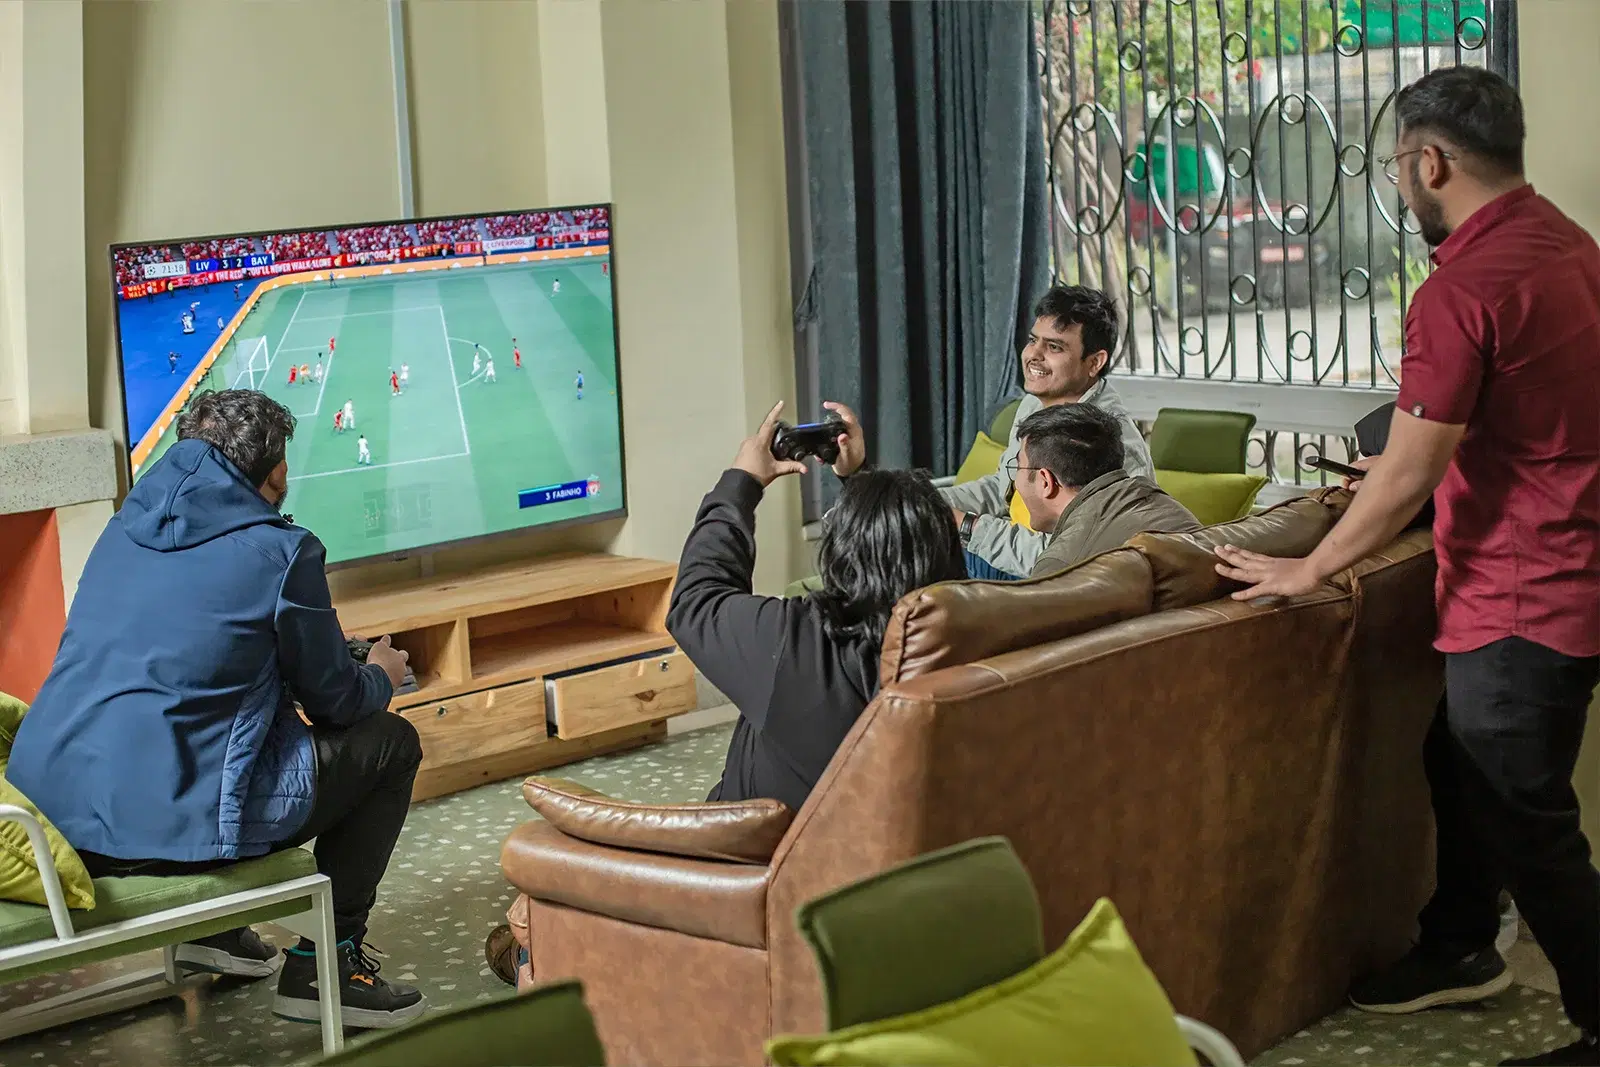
(453, 378)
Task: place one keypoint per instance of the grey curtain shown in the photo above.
(925, 179)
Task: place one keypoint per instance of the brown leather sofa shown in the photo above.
(1243, 780)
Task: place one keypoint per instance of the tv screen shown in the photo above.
(452, 378)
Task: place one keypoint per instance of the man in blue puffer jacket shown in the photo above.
(165, 740)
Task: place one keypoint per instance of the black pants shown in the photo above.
(364, 776)
(1499, 758)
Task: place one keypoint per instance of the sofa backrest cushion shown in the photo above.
(961, 622)
(1183, 567)
(742, 832)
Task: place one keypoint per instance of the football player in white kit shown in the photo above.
(363, 453)
(349, 414)
(405, 374)
(488, 369)
(477, 357)
(555, 287)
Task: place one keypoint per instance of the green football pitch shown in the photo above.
(450, 454)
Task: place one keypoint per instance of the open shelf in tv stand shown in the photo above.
(531, 665)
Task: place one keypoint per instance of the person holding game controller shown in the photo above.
(165, 739)
(801, 670)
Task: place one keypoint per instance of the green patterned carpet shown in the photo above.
(444, 892)
(1519, 1023)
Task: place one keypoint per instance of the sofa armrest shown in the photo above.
(745, 831)
(702, 898)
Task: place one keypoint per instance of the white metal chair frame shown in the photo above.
(315, 922)
(1210, 1043)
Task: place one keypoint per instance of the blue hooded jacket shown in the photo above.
(166, 729)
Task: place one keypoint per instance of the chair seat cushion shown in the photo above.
(1092, 1001)
(745, 831)
(120, 899)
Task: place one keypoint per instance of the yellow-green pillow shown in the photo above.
(1091, 1002)
(19, 875)
(11, 712)
(1212, 498)
(1019, 512)
(982, 458)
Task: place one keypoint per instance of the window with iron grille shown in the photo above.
(1219, 166)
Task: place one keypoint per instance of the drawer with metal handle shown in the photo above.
(480, 724)
(638, 690)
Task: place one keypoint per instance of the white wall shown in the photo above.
(514, 103)
(1559, 46)
(169, 155)
(43, 376)
(476, 105)
(572, 80)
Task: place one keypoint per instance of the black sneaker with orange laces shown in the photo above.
(366, 1001)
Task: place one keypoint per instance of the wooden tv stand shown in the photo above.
(531, 665)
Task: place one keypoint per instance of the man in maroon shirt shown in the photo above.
(1498, 419)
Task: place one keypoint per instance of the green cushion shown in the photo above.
(1092, 1001)
(1000, 425)
(19, 871)
(1206, 442)
(927, 931)
(11, 712)
(982, 458)
(1213, 498)
(545, 1027)
(118, 899)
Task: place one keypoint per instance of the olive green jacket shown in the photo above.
(1105, 514)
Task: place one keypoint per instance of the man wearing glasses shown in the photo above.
(1498, 419)
(1069, 472)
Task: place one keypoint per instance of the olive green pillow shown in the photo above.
(1212, 498)
(19, 874)
(983, 458)
(1091, 1002)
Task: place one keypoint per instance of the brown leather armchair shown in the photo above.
(1242, 779)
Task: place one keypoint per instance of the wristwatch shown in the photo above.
(969, 523)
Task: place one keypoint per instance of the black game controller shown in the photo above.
(820, 439)
(358, 652)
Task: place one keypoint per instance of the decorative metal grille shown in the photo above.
(1217, 165)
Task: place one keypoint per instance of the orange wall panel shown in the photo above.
(33, 608)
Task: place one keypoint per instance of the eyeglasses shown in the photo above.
(1391, 170)
(1012, 467)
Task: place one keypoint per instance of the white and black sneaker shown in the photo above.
(1423, 980)
(366, 1001)
(239, 952)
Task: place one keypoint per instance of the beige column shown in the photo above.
(1559, 45)
(766, 311)
(572, 74)
(477, 116)
(43, 351)
(670, 127)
